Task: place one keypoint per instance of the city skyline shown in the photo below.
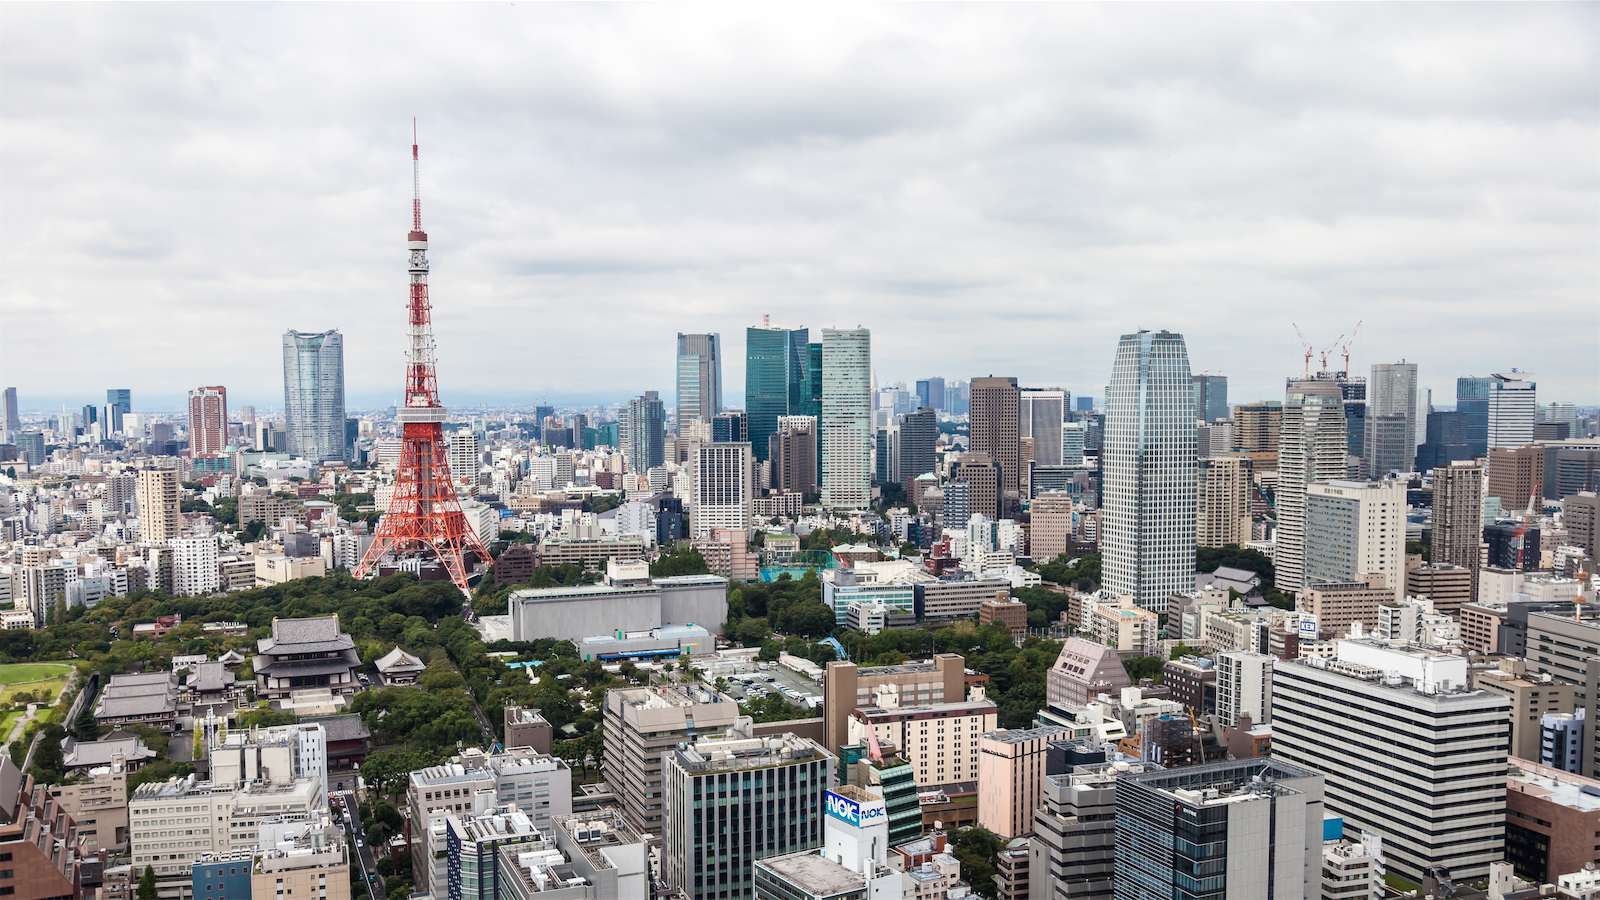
(815, 199)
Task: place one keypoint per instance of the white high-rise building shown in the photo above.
(1042, 411)
(846, 428)
(1411, 752)
(1356, 528)
(721, 488)
(313, 395)
(1311, 450)
(1244, 686)
(194, 565)
(463, 458)
(1148, 465)
(1513, 406)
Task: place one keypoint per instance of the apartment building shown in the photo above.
(1011, 767)
(940, 740)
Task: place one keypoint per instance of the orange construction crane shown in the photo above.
(1307, 345)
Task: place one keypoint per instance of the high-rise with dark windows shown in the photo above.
(699, 377)
(781, 378)
(1210, 397)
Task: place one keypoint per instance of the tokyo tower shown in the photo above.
(424, 511)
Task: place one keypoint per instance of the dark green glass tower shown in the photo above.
(777, 380)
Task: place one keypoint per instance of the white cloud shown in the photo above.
(991, 188)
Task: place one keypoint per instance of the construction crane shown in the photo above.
(1518, 539)
(1344, 348)
(1307, 345)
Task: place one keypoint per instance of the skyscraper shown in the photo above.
(722, 490)
(1458, 516)
(930, 392)
(157, 493)
(122, 397)
(1513, 404)
(846, 427)
(313, 394)
(699, 377)
(794, 455)
(1392, 391)
(994, 423)
(1354, 529)
(1210, 397)
(1311, 450)
(1222, 513)
(645, 439)
(777, 380)
(1472, 402)
(1148, 467)
(13, 421)
(919, 433)
(1041, 414)
(208, 420)
(1388, 446)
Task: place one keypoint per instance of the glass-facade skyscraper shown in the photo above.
(846, 427)
(313, 395)
(699, 378)
(1148, 464)
(1210, 397)
(782, 377)
(122, 398)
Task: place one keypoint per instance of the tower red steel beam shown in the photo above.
(424, 513)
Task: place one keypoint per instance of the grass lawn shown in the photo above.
(7, 724)
(20, 672)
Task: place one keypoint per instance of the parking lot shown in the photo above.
(774, 679)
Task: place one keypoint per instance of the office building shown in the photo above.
(208, 420)
(930, 393)
(1311, 450)
(1448, 440)
(1356, 528)
(121, 398)
(1516, 476)
(97, 801)
(792, 449)
(1072, 854)
(777, 381)
(304, 859)
(159, 519)
(594, 856)
(30, 447)
(994, 424)
(1041, 413)
(13, 421)
(733, 800)
(1011, 769)
(852, 862)
(1170, 828)
(1513, 406)
(1558, 639)
(1472, 403)
(1336, 606)
(313, 395)
(472, 849)
(1532, 697)
(1389, 446)
(699, 378)
(983, 492)
(644, 432)
(641, 724)
(1244, 686)
(1210, 398)
(730, 427)
(1395, 391)
(1551, 818)
(846, 424)
(1222, 502)
(1581, 514)
(919, 436)
(1571, 466)
(846, 686)
(722, 488)
(1147, 535)
(1083, 671)
(1411, 714)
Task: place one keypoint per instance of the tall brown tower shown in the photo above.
(994, 431)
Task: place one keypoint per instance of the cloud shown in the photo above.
(990, 188)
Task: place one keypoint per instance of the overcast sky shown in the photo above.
(991, 189)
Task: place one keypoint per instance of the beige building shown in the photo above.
(1338, 606)
(263, 506)
(1354, 528)
(275, 568)
(995, 424)
(159, 520)
(1449, 587)
(1222, 504)
(591, 553)
(308, 864)
(846, 687)
(1531, 696)
(1516, 476)
(940, 740)
(98, 805)
(1121, 624)
(1050, 525)
(641, 724)
(1011, 777)
(1480, 626)
(1256, 427)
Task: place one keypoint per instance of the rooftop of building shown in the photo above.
(1224, 782)
(1554, 785)
(1023, 735)
(814, 873)
(593, 832)
(498, 824)
(316, 634)
(670, 695)
(925, 710)
(734, 753)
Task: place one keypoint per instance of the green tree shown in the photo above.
(683, 562)
(147, 884)
(976, 849)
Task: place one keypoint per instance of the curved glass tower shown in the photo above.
(313, 395)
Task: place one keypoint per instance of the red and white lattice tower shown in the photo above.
(424, 512)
